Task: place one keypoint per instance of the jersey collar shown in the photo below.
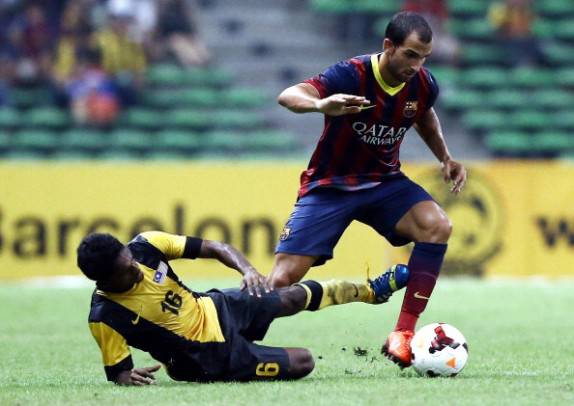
(386, 88)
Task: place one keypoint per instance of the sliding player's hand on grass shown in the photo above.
(455, 172)
(137, 376)
(340, 104)
(254, 282)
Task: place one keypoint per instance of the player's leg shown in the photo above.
(251, 316)
(307, 295)
(288, 269)
(301, 362)
(247, 362)
(244, 318)
(313, 295)
(427, 222)
(309, 236)
(271, 363)
(403, 212)
(428, 226)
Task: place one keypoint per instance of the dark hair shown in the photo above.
(403, 24)
(97, 254)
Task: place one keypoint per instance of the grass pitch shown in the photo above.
(520, 335)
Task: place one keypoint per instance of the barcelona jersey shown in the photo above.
(356, 151)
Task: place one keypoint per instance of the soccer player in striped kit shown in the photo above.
(369, 103)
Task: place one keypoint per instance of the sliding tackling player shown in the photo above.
(140, 302)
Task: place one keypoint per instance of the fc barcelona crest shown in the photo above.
(285, 233)
(410, 109)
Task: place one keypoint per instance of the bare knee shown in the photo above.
(279, 279)
(289, 269)
(439, 231)
(425, 222)
(433, 227)
(301, 362)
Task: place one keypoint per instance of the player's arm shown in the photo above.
(429, 129)
(253, 281)
(331, 92)
(137, 376)
(179, 246)
(304, 98)
(117, 359)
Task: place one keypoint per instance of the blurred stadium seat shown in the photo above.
(180, 109)
(511, 105)
(171, 118)
(526, 106)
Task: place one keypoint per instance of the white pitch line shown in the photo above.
(64, 281)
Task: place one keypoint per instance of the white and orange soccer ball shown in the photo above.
(439, 349)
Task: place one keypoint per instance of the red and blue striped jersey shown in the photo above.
(356, 151)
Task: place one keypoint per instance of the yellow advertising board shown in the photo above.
(512, 219)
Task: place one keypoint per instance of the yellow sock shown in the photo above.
(335, 292)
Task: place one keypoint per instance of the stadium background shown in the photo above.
(90, 138)
(121, 116)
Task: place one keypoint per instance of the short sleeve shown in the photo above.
(171, 245)
(339, 78)
(115, 351)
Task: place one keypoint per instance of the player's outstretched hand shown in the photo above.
(340, 104)
(254, 282)
(138, 376)
(455, 172)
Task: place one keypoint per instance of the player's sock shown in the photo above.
(334, 292)
(424, 265)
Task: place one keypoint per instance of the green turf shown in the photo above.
(520, 334)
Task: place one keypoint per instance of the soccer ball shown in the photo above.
(439, 349)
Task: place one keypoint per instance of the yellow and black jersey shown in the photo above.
(159, 315)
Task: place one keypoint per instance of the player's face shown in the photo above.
(125, 274)
(406, 60)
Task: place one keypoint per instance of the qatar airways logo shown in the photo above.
(378, 134)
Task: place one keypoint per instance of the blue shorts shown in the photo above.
(320, 217)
